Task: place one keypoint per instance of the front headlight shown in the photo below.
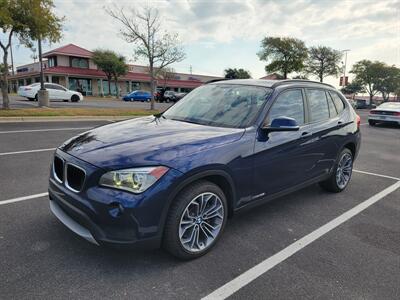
(135, 180)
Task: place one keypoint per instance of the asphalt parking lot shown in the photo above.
(310, 244)
(89, 102)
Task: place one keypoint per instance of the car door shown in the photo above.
(60, 92)
(324, 124)
(283, 159)
(52, 91)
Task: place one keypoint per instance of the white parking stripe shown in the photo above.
(27, 151)
(236, 284)
(45, 130)
(376, 174)
(23, 198)
(363, 124)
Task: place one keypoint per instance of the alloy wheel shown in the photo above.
(344, 170)
(201, 222)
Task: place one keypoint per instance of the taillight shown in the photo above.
(371, 112)
(397, 113)
(27, 89)
(358, 120)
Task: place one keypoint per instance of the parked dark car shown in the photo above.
(142, 96)
(362, 104)
(173, 179)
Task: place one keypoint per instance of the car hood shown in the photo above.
(146, 141)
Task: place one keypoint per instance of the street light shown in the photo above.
(345, 65)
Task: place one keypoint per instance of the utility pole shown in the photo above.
(345, 65)
(43, 94)
(191, 69)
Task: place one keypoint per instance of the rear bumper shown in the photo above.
(378, 118)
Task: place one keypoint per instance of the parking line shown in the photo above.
(376, 174)
(23, 198)
(242, 280)
(44, 130)
(27, 151)
(364, 124)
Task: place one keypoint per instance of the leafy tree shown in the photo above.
(143, 28)
(322, 62)
(237, 73)
(304, 77)
(112, 64)
(368, 74)
(388, 82)
(284, 55)
(353, 87)
(27, 20)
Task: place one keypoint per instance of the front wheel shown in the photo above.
(341, 173)
(74, 98)
(371, 123)
(195, 221)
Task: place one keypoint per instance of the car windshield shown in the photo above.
(222, 105)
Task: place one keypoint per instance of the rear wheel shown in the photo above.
(31, 99)
(195, 221)
(74, 98)
(36, 97)
(372, 123)
(341, 173)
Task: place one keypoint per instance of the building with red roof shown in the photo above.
(72, 67)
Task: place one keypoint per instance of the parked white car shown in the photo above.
(388, 112)
(56, 92)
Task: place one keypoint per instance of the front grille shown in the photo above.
(58, 166)
(75, 178)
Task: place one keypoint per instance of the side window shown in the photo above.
(289, 104)
(48, 86)
(332, 109)
(57, 87)
(318, 105)
(338, 102)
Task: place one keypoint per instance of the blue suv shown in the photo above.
(173, 179)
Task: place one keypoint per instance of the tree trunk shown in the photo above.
(371, 97)
(109, 85)
(152, 86)
(4, 83)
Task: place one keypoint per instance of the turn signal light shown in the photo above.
(358, 120)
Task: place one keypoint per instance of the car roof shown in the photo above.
(273, 83)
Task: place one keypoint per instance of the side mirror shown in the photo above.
(282, 124)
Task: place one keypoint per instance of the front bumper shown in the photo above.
(108, 216)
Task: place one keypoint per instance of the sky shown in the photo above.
(221, 34)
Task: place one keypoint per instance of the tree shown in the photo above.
(368, 74)
(302, 77)
(112, 64)
(27, 20)
(322, 62)
(388, 81)
(236, 73)
(353, 87)
(166, 74)
(284, 55)
(144, 29)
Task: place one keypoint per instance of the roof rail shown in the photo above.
(216, 80)
(282, 82)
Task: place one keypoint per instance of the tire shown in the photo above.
(337, 183)
(371, 123)
(36, 98)
(74, 98)
(31, 99)
(199, 237)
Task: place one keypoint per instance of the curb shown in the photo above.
(65, 118)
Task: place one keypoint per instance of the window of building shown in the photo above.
(318, 105)
(82, 85)
(289, 104)
(79, 62)
(52, 61)
(338, 102)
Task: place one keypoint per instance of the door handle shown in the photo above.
(305, 134)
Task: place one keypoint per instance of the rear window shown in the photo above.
(338, 102)
(318, 105)
(332, 109)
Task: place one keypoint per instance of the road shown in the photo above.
(359, 258)
(20, 102)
